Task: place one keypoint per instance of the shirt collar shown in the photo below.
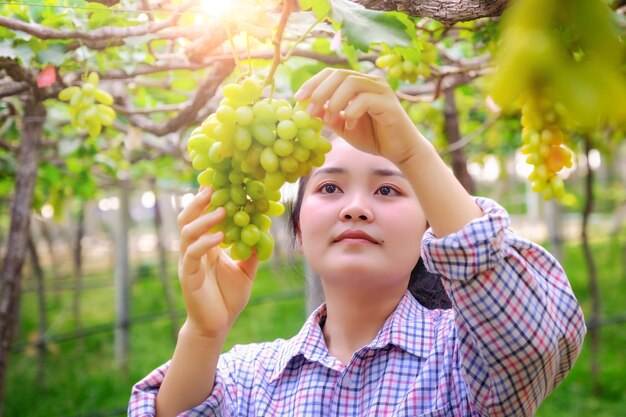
(410, 327)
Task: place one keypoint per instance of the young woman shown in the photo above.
(382, 200)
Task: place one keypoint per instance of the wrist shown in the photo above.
(192, 333)
(418, 151)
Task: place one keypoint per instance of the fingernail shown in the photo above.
(349, 125)
(299, 95)
(311, 109)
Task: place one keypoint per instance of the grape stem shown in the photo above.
(284, 16)
(248, 51)
(302, 37)
(232, 46)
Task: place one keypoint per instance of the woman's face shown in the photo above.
(360, 220)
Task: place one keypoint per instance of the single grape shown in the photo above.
(250, 234)
(241, 218)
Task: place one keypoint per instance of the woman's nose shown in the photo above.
(357, 209)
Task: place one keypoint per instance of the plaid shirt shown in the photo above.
(512, 335)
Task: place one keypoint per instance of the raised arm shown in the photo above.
(215, 290)
(364, 110)
(519, 327)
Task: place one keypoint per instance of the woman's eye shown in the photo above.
(329, 188)
(386, 190)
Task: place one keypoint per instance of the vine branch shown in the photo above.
(101, 34)
(284, 16)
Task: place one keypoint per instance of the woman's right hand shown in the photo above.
(215, 288)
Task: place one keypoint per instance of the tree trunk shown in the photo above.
(78, 269)
(25, 178)
(594, 289)
(445, 11)
(163, 271)
(453, 135)
(41, 307)
(122, 277)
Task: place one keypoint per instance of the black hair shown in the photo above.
(425, 286)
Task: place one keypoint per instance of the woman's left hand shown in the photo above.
(362, 109)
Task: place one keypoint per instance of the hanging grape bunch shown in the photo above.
(90, 106)
(544, 144)
(399, 66)
(247, 150)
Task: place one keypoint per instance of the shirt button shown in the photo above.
(347, 381)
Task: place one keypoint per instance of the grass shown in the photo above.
(81, 378)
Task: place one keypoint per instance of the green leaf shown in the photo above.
(319, 7)
(7, 50)
(184, 81)
(24, 53)
(52, 18)
(351, 54)
(74, 165)
(321, 46)
(68, 146)
(411, 53)
(107, 163)
(303, 73)
(363, 26)
(54, 54)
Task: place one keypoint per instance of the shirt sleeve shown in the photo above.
(519, 325)
(219, 404)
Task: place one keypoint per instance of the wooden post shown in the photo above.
(122, 276)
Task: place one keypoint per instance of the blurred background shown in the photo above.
(90, 301)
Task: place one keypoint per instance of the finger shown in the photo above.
(324, 91)
(352, 87)
(196, 207)
(200, 226)
(192, 258)
(362, 104)
(311, 84)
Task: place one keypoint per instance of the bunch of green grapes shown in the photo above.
(90, 106)
(543, 142)
(397, 66)
(247, 150)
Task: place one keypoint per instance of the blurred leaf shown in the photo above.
(362, 26)
(25, 54)
(54, 54)
(319, 7)
(303, 73)
(74, 165)
(7, 49)
(68, 146)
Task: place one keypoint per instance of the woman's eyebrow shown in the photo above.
(388, 173)
(330, 170)
(377, 172)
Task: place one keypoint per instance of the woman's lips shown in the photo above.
(355, 235)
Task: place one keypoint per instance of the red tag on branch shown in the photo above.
(47, 77)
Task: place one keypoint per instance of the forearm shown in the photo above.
(191, 374)
(519, 324)
(447, 205)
